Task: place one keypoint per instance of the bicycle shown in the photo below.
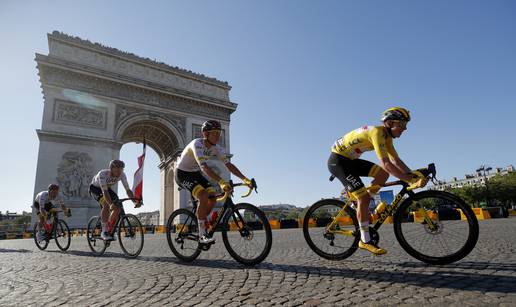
(250, 223)
(57, 230)
(429, 238)
(127, 226)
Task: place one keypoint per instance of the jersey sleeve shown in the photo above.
(390, 149)
(40, 199)
(379, 141)
(222, 155)
(199, 153)
(123, 178)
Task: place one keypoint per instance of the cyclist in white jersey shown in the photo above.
(44, 202)
(192, 165)
(100, 190)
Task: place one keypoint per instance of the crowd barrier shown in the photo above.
(415, 217)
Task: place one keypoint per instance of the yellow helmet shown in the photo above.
(396, 113)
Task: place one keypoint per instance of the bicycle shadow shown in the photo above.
(8, 250)
(481, 265)
(448, 279)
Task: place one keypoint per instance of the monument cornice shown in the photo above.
(61, 76)
(127, 56)
(113, 76)
(76, 139)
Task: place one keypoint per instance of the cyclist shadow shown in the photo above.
(446, 277)
(8, 250)
(90, 254)
(467, 265)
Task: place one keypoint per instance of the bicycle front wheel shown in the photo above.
(430, 227)
(183, 235)
(329, 233)
(247, 234)
(95, 242)
(130, 235)
(42, 245)
(62, 235)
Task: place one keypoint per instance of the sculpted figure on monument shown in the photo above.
(74, 174)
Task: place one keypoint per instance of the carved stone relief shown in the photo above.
(74, 174)
(75, 114)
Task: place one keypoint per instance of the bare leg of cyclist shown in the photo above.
(204, 209)
(114, 215)
(363, 220)
(41, 222)
(104, 218)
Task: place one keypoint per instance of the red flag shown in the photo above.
(138, 176)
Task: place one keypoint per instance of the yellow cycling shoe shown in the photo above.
(370, 247)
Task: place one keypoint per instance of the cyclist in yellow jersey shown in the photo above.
(344, 163)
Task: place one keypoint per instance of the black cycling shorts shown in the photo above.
(47, 206)
(97, 194)
(193, 182)
(349, 172)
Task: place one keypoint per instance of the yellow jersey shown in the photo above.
(363, 139)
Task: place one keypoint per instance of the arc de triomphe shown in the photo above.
(98, 98)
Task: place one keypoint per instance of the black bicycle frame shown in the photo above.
(122, 213)
(390, 210)
(228, 205)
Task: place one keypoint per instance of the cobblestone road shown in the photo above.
(291, 275)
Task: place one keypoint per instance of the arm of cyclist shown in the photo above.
(41, 205)
(210, 173)
(400, 165)
(392, 169)
(235, 171)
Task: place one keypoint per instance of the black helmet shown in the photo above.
(116, 164)
(396, 113)
(53, 187)
(211, 125)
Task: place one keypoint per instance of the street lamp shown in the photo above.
(484, 168)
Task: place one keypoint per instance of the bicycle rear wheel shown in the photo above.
(95, 242)
(247, 235)
(338, 241)
(43, 244)
(62, 235)
(130, 235)
(438, 234)
(183, 235)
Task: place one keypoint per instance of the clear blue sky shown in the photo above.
(303, 74)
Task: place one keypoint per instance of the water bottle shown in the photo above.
(380, 208)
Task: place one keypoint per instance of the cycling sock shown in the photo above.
(202, 226)
(364, 231)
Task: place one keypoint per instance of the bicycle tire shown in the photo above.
(473, 229)
(134, 231)
(93, 238)
(306, 229)
(171, 228)
(266, 228)
(64, 227)
(39, 244)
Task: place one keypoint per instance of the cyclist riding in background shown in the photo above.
(344, 163)
(44, 202)
(100, 190)
(193, 164)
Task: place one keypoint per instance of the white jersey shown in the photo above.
(105, 180)
(196, 153)
(43, 198)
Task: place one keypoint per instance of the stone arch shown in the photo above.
(97, 98)
(160, 133)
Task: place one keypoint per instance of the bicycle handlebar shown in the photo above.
(222, 197)
(430, 171)
(121, 200)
